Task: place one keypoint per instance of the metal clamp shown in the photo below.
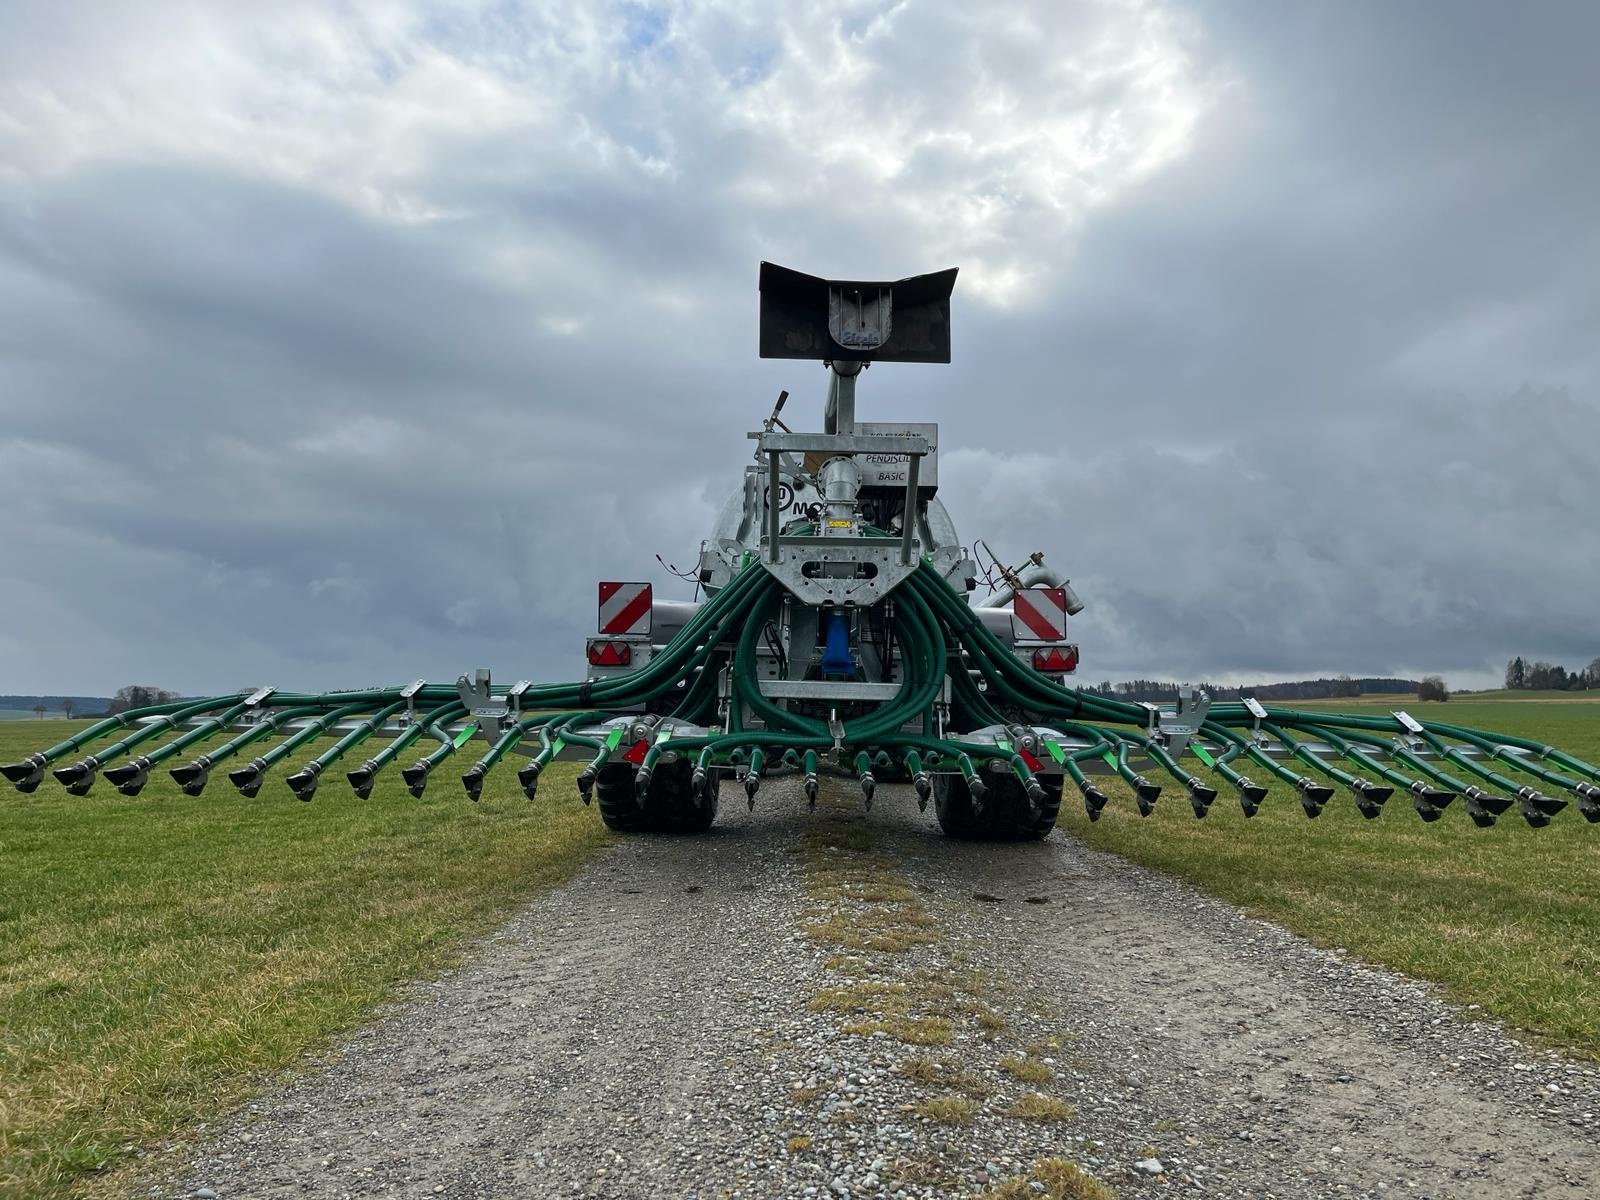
(1412, 727)
(514, 698)
(409, 695)
(1257, 715)
(1152, 727)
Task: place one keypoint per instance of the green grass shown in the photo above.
(1507, 918)
(160, 956)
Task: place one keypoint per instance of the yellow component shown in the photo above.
(832, 524)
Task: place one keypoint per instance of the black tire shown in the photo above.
(1005, 816)
(670, 806)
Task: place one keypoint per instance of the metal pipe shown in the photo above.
(909, 521)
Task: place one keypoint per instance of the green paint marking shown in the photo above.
(662, 737)
(614, 738)
(465, 735)
(557, 745)
(1111, 759)
(1055, 751)
(1200, 753)
(1003, 745)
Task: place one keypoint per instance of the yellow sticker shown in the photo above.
(838, 524)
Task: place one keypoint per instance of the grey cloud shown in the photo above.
(381, 387)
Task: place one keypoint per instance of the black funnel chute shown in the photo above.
(848, 320)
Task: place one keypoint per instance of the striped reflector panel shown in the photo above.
(625, 609)
(1040, 614)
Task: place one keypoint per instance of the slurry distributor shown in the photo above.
(838, 635)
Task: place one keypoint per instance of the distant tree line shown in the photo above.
(137, 695)
(1158, 692)
(1522, 675)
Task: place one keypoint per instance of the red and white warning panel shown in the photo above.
(1039, 614)
(625, 609)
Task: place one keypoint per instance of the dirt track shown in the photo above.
(646, 1031)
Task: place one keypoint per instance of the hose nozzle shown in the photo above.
(26, 775)
(1371, 797)
(528, 777)
(1094, 800)
(1588, 801)
(1200, 796)
(1250, 796)
(1145, 794)
(78, 777)
(416, 777)
(923, 782)
(303, 783)
(362, 778)
(192, 777)
(472, 781)
(1537, 808)
(130, 777)
(248, 778)
(586, 778)
(869, 784)
(1313, 795)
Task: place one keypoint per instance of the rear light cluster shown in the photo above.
(1057, 660)
(604, 653)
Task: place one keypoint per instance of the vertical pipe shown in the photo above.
(909, 522)
(774, 515)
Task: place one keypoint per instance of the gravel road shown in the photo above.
(846, 1004)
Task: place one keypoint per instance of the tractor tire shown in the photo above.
(1005, 815)
(669, 806)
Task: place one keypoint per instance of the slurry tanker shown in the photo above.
(837, 630)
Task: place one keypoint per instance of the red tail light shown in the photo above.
(1056, 660)
(603, 653)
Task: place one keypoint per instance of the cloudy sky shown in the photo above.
(342, 344)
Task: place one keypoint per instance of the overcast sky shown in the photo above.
(343, 344)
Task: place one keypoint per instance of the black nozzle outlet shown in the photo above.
(416, 777)
(528, 777)
(1537, 808)
(26, 775)
(752, 784)
(192, 777)
(869, 785)
(1431, 796)
(1374, 793)
(303, 783)
(129, 778)
(248, 777)
(1094, 800)
(1250, 796)
(1145, 794)
(586, 785)
(362, 778)
(811, 790)
(472, 781)
(1589, 802)
(77, 777)
(1488, 801)
(1425, 810)
(1200, 796)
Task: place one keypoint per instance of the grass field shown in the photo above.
(159, 956)
(1507, 918)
